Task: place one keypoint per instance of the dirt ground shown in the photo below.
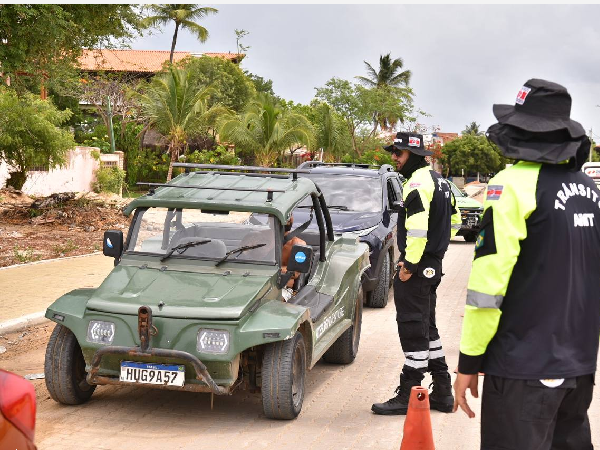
(66, 224)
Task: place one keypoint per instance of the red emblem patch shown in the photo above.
(414, 141)
(522, 95)
(494, 192)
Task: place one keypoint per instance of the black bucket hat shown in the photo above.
(541, 106)
(409, 141)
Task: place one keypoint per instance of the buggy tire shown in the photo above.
(379, 296)
(345, 348)
(283, 376)
(64, 368)
(471, 236)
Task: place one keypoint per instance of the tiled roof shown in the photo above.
(147, 61)
(447, 137)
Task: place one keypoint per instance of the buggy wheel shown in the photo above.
(345, 348)
(283, 374)
(379, 296)
(64, 368)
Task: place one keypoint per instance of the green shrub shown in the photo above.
(220, 156)
(109, 179)
(146, 165)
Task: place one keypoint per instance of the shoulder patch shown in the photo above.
(494, 192)
(413, 185)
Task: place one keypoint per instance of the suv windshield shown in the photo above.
(348, 192)
(191, 233)
(457, 192)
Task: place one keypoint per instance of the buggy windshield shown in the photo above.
(192, 233)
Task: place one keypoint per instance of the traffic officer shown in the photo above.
(424, 231)
(532, 318)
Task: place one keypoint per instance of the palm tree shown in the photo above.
(183, 16)
(389, 76)
(472, 128)
(388, 73)
(176, 108)
(266, 129)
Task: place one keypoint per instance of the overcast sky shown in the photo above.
(463, 58)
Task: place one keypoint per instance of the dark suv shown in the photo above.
(360, 199)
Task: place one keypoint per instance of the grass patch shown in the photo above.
(24, 255)
(63, 249)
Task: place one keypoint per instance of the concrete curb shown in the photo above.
(20, 323)
(42, 261)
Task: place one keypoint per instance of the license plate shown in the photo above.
(168, 375)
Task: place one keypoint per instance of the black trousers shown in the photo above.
(526, 414)
(415, 301)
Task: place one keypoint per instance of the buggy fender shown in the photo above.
(274, 321)
(70, 307)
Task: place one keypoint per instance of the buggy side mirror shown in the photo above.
(300, 259)
(112, 245)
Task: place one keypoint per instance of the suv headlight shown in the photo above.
(101, 332)
(212, 341)
(367, 230)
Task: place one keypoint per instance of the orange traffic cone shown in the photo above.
(417, 426)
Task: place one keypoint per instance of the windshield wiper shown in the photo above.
(239, 251)
(183, 247)
(341, 208)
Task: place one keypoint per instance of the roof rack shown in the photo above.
(187, 186)
(381, 169)
(242, 169)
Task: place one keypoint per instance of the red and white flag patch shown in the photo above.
(414, 141)
(522, 95)
(494, 192)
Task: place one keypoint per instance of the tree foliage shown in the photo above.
(177, 108)
(472, 154)
(472, 128)
(389, 74)
(230, 86)
(44, 40)
(266, 129)
(30, 134)
(358, 105)
(184, 17)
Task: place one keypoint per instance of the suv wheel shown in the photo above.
(471, 236)
(64, 368)
(345, 348)
(379, 296)
(283, 374)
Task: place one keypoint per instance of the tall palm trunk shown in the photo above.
(174, 42)
(174, 152)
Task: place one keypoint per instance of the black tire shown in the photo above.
(345, 348)
(471, 236)
(283, 375)
(379, 296)
(64, 368)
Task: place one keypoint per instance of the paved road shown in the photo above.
(336, 412)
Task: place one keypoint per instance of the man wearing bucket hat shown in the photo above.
(424, 231)
(532, 318)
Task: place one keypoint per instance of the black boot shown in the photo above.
(441, 397)
(397, 405)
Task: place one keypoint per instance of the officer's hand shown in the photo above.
(461, 384)
(402, 274)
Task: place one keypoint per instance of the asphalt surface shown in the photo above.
(336, 412)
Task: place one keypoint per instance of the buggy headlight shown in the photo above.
(101, 332)
(212, 341)
(367, 230)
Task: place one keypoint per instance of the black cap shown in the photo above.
(541, 106)
(409, 141)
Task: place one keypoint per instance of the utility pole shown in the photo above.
(110, 127)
